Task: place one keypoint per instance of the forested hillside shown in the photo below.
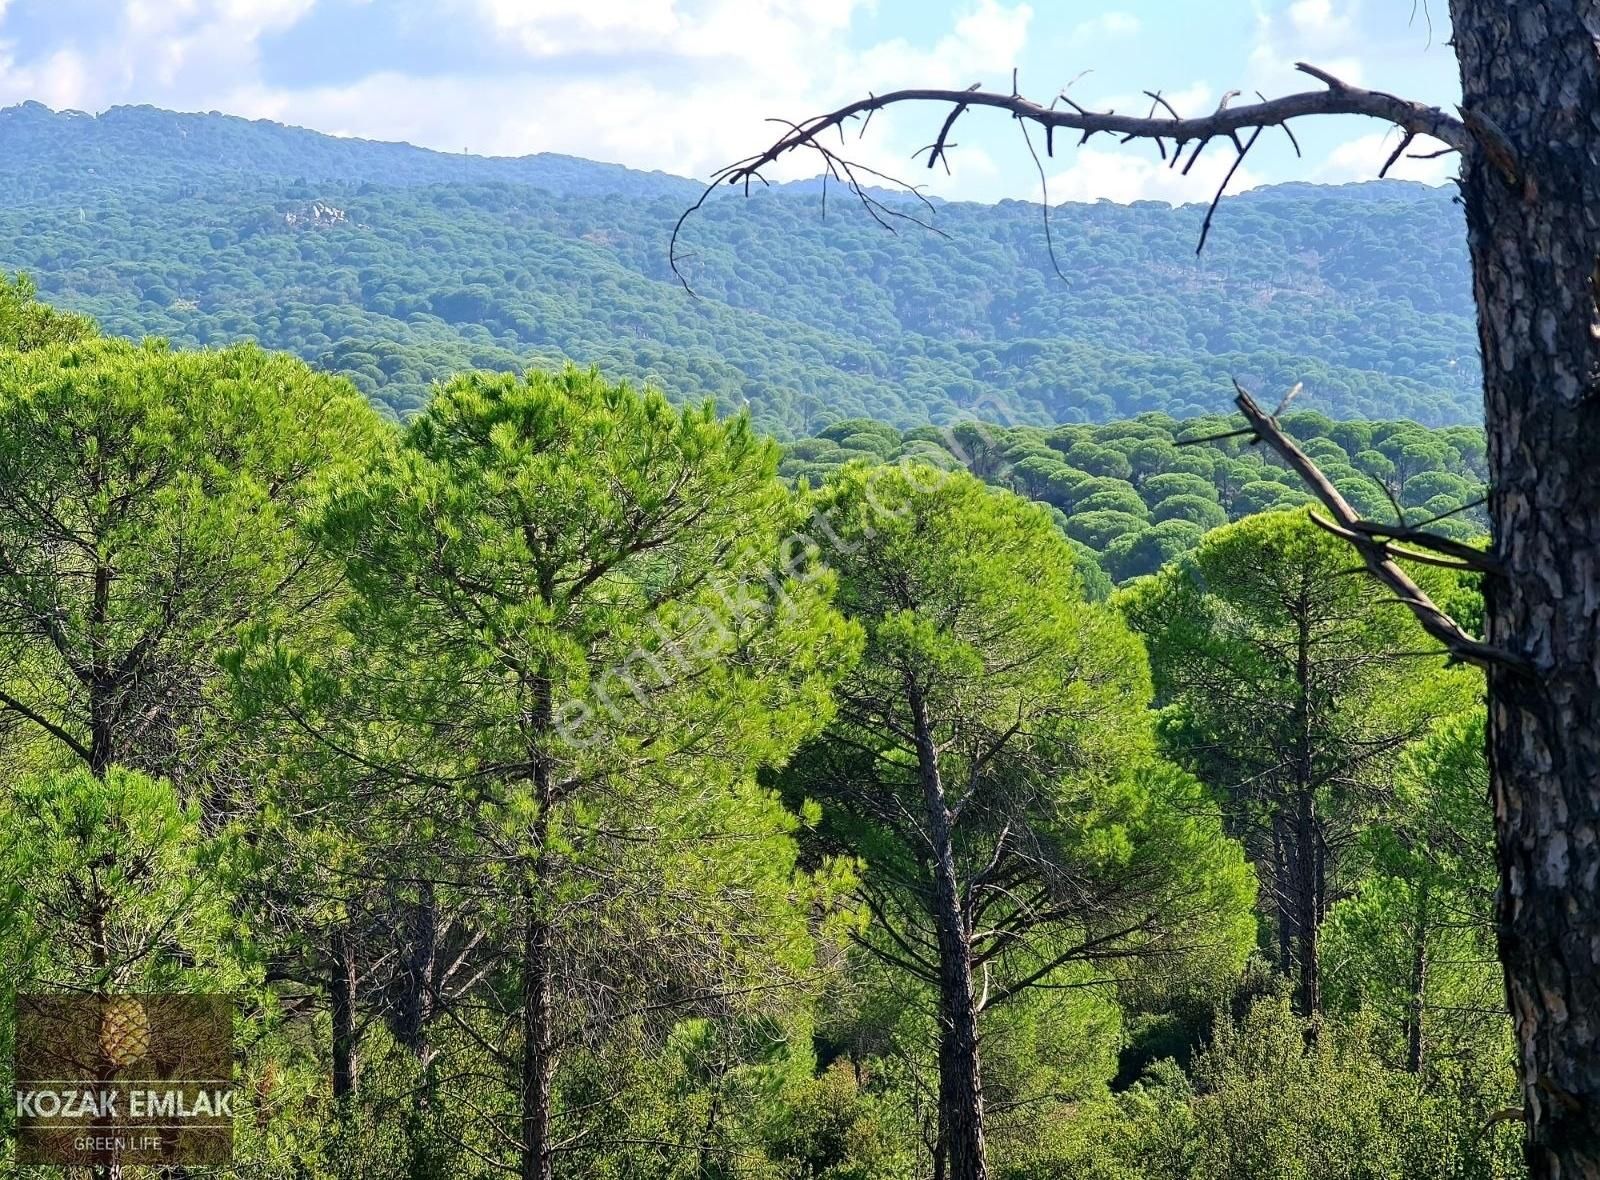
(571, 785)
(1137, 494)
(397, 267)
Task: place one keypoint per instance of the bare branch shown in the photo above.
(1376, 553)
(1338, 99)
(1357, 535)
(1473, 558)
(1157, 100)
(1227, 121)
(1044, 200)
(56, 731)
(1405, 141)
(1211, 438)
(1244, 150)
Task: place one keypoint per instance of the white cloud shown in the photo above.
(1319, 18)
(1106, 25)
(1362, 157)
(1121, 174)
(717, 72)
(150, 51)
(551, 27)
(1327, 33)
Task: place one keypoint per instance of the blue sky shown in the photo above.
(684, 85)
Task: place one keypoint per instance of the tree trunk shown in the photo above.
(342, 1002)
(102, 739)
(538, 1040)
(961, 1146)
(1307, 832)
(419, 956)
(1308, 982)
(537, 1058)
(1416, 1044)
(1283, 878)
(1530, 75)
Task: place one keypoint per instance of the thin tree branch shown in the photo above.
(43, 722)
(1375, 551)
(1337, 98)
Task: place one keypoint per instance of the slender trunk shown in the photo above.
(1416, 1045)
(538, 1063)
(538, 1042)
(1308, 983)
(1308, 883)
(419, 957)
(99, 957)
(101, 756)
(1530, 75)
(702, 1155)
(960, 1078)
(102, 749)
(342, 1002)
(1285, 877)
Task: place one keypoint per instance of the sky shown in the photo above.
(685, 86)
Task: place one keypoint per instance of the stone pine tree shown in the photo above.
(1415, 938)
(148, 508)
(991, 761)
(26, 324)
(570, 639)
(1292, 689)
(1529, 148)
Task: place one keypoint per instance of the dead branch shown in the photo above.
(1211, 211)
(1406, 141)
(1376, 549)
(1474, 559)
(1226, 122)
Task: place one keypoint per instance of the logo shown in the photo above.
(133, 1079)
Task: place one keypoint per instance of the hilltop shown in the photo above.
(397, 265)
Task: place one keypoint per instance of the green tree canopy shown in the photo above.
(992, 763)
(149, 507)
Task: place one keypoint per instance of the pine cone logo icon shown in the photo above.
(124, 1031)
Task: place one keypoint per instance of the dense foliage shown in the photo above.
(564, 791)
(1137, 494)
(397, 267)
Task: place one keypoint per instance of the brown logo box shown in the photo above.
(125, 1079)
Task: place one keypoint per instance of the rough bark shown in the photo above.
(1308, 981)
(538, 980)
(538, 1064)
(1416, 1041)
(415, 1007)
(102, 738)
(1283, 891)
(342, 1003)
(1530, 75)
(961, 1146)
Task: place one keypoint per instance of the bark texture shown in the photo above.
(1530, 75)
(960, 1150)
(342, 1004)
(538, 1064)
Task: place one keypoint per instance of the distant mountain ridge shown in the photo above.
(204, 228)
(214, 145)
